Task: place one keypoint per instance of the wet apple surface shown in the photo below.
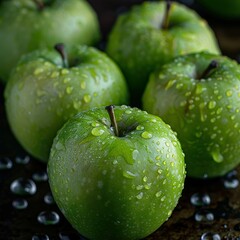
(208, 209)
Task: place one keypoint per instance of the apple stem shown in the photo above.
(111, 114)
(62, 51)
(165, 22)
(39, 4)
(213, 65)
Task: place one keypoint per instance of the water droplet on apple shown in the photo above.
(54, 74)
(145, 178)
(140, 127)
(97, 131)
(38, 71)
(158, 194)
(212, 104)
(128, 111)
(87, 98)
(95, 124)
(135, 154)
(146, 135)
(64, 71)
(23, 186)
(199, 89)
(48, 218)
(69, 90)
(198, 199)
(83, 85)
(115, 162)
(5, 163)
(228, 93)
(129, 174)
(20, 203)
(140, 195)
(210, 236)
(216, 155)
(40, 237)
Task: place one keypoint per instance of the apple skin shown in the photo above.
(24, 28)
(204, 112)
(111, 187)
(138, 44)
(41, 94)
(222, 8)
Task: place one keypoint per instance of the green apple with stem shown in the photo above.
(49, 86)
(116, 173)
(151, 34)
(26, 25)
(198, 95)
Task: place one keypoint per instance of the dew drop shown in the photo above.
(40, 237)
(216, 155)
(95, 124)
(210, 236)
(140, 195)
(23, 186)
(54, 74)
(140, 127)
(48, 199)
(203, 216)
(158, 194)
(198, 199)
(38, 71)
(64, 71)
(146, 135)
(97, 131)
(128, 111)
(230, 183)
(5, 163)
(40, 176)
(22, 159)
(69, 90)
(70, 236)
(228, 93)
(20, 203)
(83, 85)
(212, 104)
(86, 98)
(48, 218)
(128, 174)
(135, 154)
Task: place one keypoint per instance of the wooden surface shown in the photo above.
(217, 218)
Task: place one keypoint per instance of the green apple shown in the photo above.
(152, 34)
(45, 89)
(198, 95)
(118, 176)
(222, 8)
(26, 25)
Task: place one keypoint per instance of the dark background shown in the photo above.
(218, 217)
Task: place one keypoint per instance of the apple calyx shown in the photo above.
(165, 23)
(110, 110)
(40, 5)
(213, 65)
(60, 48)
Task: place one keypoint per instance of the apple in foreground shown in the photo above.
(116, 173)
(32, 24)
(198, 95)
(49, 86)
(150, 35)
